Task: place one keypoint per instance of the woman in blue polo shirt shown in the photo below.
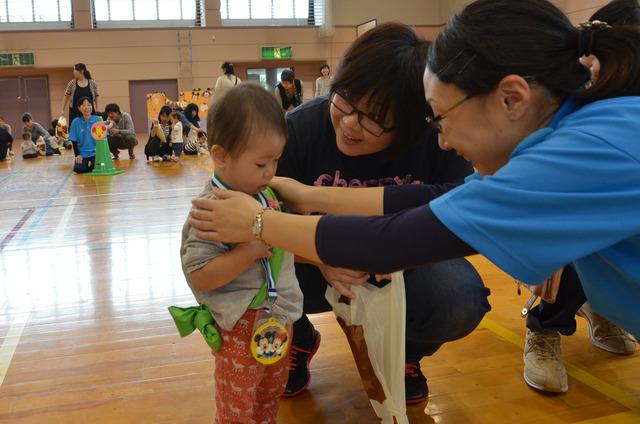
(84, 146)
(558, 177)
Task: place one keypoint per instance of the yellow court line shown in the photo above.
(610, 391)
(11, 342)
(621, 418)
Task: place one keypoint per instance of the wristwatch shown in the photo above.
(256, 226)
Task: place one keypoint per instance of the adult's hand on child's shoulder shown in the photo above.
(227, 219)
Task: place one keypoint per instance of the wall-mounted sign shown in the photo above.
(17, 59)
(277, 53)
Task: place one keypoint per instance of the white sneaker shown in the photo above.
(606, 335)
(157, 159)
(543, 367)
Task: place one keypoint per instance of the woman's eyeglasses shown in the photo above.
(434, 121)
(366, 122)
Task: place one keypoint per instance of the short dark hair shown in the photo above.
(388, 62)
(228, 68)
(244, 110)
(175, 114)
(201, 134)
(82, 100)
(325, 65)
(491, 39)
(287, 75)
(112, 107)
(26, 117)
(164, 110)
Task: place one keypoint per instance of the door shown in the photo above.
(36, 93)
(10, 104)
(138, 91)
(25, 94)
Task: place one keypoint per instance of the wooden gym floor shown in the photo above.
(88, 266)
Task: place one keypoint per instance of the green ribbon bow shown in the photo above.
(200, 317)
(188, 319)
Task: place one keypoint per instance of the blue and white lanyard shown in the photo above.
(272, 292)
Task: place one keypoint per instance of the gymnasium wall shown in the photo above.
(116, 56)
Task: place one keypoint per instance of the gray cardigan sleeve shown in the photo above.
(126, 125)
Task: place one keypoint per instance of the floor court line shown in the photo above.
(11, 341)
(5, 241)
(122, 193)
(610, 391)
(45, 208)
(59, 234)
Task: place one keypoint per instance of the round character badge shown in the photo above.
(270, 342)
(99, 130)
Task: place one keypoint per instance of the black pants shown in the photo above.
(4, 148)
(561, 315)
(29, 155)
(117, 143)
(86, 165)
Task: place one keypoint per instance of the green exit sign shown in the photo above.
(17, 59)
(277, 53)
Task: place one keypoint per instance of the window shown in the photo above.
(268, 78)
(30, 14)
(271, 12)
(145, 13)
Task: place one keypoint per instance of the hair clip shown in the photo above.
(586, 30)
(593, 25)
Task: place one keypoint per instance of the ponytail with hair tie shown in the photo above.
(586, 31)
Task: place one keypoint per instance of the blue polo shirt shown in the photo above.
(570, 193)
(80, 132)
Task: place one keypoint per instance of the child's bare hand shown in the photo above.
(78, 159)
(256, 249)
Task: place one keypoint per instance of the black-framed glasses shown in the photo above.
(434, 121)
(369, 124)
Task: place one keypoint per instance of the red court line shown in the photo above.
(5, 241)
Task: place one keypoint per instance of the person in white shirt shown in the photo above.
(226, 81)
(176, 136)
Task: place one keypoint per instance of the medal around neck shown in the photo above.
(270, 339)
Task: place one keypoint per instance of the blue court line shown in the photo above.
(6, 177)
(44, 209)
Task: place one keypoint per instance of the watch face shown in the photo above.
(256, 226)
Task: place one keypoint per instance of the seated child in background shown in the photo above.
(84, 146)
(176, 136)
(29, 148)
(198, 147)
(247, 134)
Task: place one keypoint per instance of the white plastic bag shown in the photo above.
(374, 323)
